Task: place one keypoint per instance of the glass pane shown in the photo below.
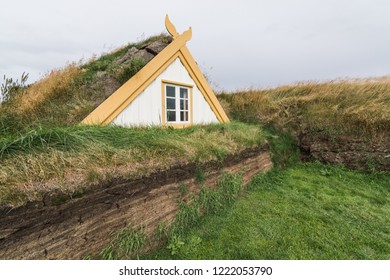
(171, 116)
(183, 104)
(183, 116)
(184, 93)
(170, 91)
(171, 104)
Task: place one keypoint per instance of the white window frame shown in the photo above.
(177, 98)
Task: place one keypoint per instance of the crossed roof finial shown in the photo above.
(172, 30)
(170, 27)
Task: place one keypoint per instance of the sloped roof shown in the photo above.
(120, 99)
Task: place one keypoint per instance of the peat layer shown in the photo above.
(81, 226)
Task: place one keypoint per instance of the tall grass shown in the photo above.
(358, 107)
(67, 95)
(71, 158)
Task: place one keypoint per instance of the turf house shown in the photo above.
(170, 90)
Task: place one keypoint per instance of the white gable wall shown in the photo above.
(146, 109)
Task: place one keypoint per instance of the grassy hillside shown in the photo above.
(356, 107)
(307, 211)
(66, 96)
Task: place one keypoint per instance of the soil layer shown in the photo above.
(81, 226)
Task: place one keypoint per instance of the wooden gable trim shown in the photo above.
(202, 84)
(107, 111)
(120, 99)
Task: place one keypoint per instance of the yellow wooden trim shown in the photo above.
(170, 28)
(120, 99)
(177, 83)
(201, 82)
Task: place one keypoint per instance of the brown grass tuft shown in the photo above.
(55, 83)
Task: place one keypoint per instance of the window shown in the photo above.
(177, 104)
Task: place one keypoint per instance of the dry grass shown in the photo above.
(71, 159)
(67, 95)
(52, 85)
(60, 97)
(359, 107)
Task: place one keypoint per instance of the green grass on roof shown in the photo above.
(67, 95)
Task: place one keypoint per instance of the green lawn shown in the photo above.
(309, 211)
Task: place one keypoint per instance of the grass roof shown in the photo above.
(67, 95)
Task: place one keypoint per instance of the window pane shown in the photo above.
(171, 116)
(183, 104)
(171, 104)
(183, 116)
(170, 91)
(184, 93)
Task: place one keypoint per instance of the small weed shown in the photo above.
(195, 241)
(175, 244)
(10, 87)
(325, 172)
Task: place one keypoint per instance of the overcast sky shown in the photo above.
(238, 44)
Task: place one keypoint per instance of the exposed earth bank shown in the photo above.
(81, 226)
(352, 152)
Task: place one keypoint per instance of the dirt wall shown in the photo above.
(353, 152)
(82, 226)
